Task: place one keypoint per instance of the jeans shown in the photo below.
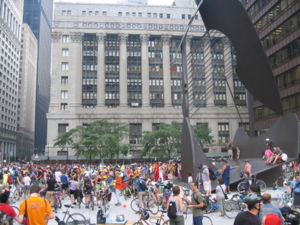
(118, 196)
(197, 220)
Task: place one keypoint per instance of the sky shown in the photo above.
(151, 2)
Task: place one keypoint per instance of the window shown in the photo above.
(183, 16)
(63, 106)
(133, 14)
(155, 126)
(65, 38)
(65, 52)
(96, 13)
(90, 13)
(223, 132)
(149, 15)
(64, 80)
(62, 128)
(140, 14)
(168, 16)
(127, 14)
(189, 16)
(64, 66)
(69, 12)
(104, 13)
(161, 15)
(119, 13)
(135, 133)
(83, 13)
(64, 94)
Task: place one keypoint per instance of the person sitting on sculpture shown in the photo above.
(268, 155)
(279, 156)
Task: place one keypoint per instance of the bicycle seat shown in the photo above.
(67, 206)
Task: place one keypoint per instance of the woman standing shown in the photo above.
(220, 194)
(179, 220)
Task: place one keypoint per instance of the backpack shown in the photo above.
(172, 210)
(142, 185)
(10, 179)
(212, 175)
(88, 184)
(206, 201)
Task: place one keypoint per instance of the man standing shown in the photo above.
(37, 209)
(141, 188)
(196, 204)
(206, 180)
(250, 217)
(268, 208)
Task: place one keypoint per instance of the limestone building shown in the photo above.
(27, 94)
(11, 13)
(119, 62)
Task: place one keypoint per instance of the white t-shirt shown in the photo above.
(27, 181)
(219, 192)
(284, 157)
(57, 176)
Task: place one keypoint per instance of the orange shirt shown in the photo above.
(38, 209)
(119, 183)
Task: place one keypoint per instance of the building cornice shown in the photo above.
(127, 26)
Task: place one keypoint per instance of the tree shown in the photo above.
(99, 138)
(202, 133)
(167, 139)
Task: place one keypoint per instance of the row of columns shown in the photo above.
(145, 70)
(7, 151)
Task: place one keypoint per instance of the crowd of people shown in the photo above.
(39, 183)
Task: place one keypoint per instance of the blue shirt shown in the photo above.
(64, 179)
(138, 182)
(269, 209)
(295, 185)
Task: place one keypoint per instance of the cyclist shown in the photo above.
(87, 189)
(141, 189)
(74, 189)
(64, 183)
(50, 188)
(250, 217)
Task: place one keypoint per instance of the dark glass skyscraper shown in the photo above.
(278, 26)
(38, 15)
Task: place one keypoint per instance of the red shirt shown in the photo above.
(8, 210)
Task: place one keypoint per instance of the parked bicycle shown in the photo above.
(72, 218)
(146, 219)
(244, 185)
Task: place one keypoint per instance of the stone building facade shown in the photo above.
(27, 94)
(120, 63)
(11, 13)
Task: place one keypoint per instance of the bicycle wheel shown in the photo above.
(209, 208)
(77, 219)
(166, 222)
(138, 223)
(134, 204)
(92, 203)
(242, 187)
(207, 220)
(262, 185)
(152, 206)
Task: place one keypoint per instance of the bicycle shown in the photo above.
(234, 205)
(148, 203)
(57, 201)
(72, 218)
(105, 198)
(154, 220)
(245, 186)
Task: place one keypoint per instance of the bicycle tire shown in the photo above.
(262, 185)
(138, 223)
(74, 219)
(92, 203)
(207, 220)
(166, 222)
(242, 187)
(152, 206)
(134, 205)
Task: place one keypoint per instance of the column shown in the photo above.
(75, 70)
(208, 69)
(189, 70)
(145, 71)
(228, 71)
(101, 71)
(123, 70)
(166, 71)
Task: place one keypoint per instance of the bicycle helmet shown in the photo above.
(145, 215)
(252, 199)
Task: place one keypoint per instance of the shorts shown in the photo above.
(87, 191)
(207, 185)
(64, 186)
